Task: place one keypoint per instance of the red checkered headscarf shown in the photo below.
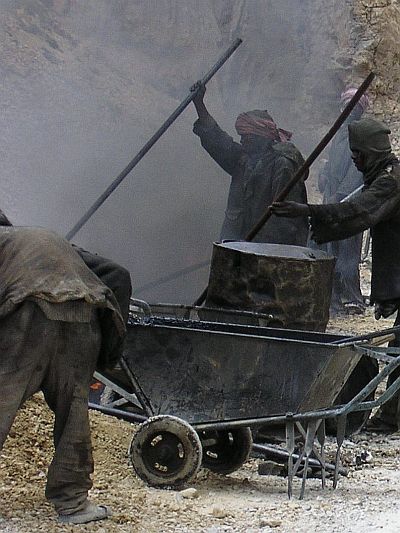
(260, 123)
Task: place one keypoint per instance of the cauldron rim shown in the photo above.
(275, 250)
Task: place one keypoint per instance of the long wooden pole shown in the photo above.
(110, 189)
(305, 166)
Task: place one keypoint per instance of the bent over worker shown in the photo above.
(260, 167)
(377, 207)
(58, 321)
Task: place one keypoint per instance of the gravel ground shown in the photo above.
(365, 501)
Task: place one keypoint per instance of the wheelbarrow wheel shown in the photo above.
(225, 451)
(165, 452)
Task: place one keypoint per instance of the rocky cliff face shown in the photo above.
(86, 82)
(375, 39)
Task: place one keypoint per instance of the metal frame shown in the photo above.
(311, 424)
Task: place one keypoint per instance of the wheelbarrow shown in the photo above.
(199, 387)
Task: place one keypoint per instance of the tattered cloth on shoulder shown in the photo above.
(37, 264)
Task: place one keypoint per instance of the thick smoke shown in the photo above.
(87, 82)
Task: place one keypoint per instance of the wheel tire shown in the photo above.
(230, 451)
(165, 452)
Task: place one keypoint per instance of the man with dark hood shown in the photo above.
(260, 167)
(58, 322)
(338, 178)
(376, 207)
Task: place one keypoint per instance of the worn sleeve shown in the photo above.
(290, 230)
(284, 170)
(377, 202)
(221, 147)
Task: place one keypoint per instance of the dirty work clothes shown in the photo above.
(116, 277)
(58, 358)
(111, 274)
(57, 321)
(338, 179)
(37, 263)
(378, 208)
(255, 182)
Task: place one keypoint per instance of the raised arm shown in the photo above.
(198, 101)
(220, 146)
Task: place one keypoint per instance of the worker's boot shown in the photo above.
(90, 512)
(376, 424)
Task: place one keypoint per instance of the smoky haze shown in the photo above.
(87, 82)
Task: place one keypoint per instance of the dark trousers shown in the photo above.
(116, 277)
(390, 411)
(58, 358)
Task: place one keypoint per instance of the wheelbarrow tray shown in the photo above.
(208, 371)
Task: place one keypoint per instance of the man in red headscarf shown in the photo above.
(260, 166)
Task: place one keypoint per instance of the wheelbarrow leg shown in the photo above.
(290, 449)
(308, 448)
(341, 428)
(318, 456)
(321, 435)
(300, 458)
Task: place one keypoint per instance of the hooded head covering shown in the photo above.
(371, 138)
(369, 135)
(260, 123)
(348, 94)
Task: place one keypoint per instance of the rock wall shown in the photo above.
(375, 40)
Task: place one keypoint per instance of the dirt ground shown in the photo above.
(365, 501)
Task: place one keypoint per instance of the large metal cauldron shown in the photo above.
(291, 283)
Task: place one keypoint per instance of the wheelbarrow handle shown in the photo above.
(368, 336)
(142, 305)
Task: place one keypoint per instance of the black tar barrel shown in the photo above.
(291, 283)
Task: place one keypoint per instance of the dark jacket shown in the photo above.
(255, 182)
(378, 208)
